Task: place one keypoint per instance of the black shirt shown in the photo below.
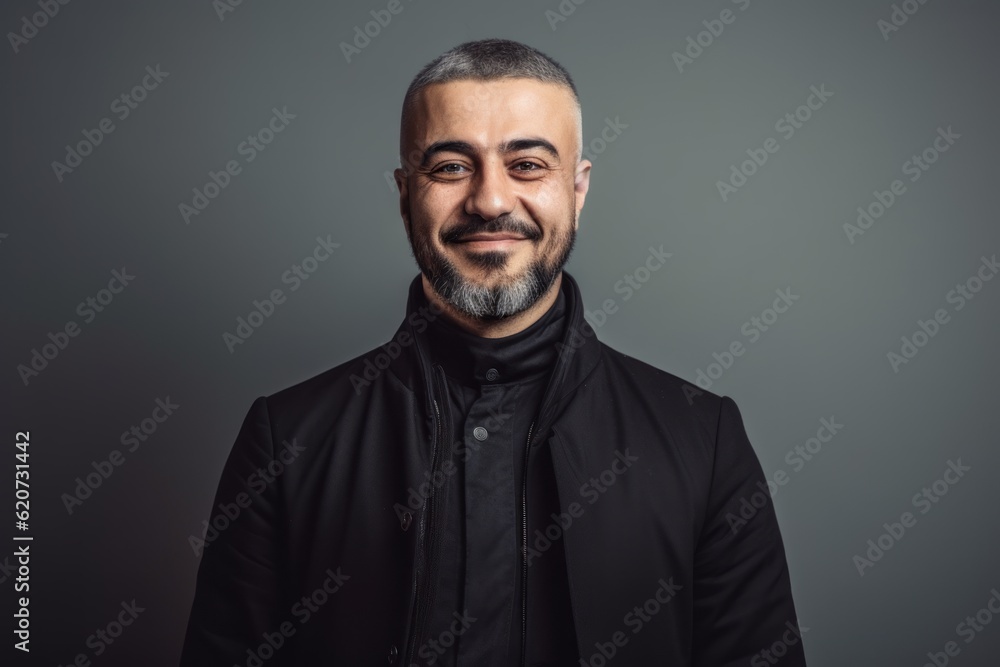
(495, 388)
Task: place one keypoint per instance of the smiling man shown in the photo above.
(496, 196)
(494, 486)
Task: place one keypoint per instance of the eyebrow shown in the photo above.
(465, 148)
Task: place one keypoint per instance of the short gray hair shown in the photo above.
(487, 60)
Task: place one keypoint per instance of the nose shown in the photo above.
(491, 193)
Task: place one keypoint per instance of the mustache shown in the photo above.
(504, 223)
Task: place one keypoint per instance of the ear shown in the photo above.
(581, 185)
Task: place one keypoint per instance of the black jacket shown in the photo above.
(672, 545)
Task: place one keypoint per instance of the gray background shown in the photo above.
(655, 184)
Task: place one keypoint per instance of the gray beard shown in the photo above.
(490, 303)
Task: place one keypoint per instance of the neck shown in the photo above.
(507, 326)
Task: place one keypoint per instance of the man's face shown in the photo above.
(494, 193)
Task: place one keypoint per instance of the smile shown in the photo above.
(491, 241)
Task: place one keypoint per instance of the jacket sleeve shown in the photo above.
(237, 595)
(743, 608)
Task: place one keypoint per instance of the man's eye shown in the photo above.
(446, 170)
(529, 164)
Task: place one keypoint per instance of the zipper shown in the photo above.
(524, 551)
(420, 606)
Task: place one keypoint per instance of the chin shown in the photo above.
(492, 276)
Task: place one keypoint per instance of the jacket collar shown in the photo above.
(473, 361)
(578, 351)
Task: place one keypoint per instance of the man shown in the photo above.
(494, 486)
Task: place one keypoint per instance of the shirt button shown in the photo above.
(393, 654)
(406, 520)
(492, 374)
(480, 433)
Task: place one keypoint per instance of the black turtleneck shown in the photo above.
(495, 388)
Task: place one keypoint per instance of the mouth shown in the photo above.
(494, 241)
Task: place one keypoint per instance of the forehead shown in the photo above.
(486, 112)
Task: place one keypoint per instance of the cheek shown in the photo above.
(434, 206)
(554, 211)
(549, 202)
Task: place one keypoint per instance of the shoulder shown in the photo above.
(355, 381)
(679, 401)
